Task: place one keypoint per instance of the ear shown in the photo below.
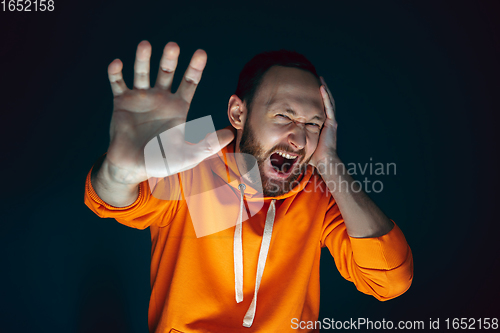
(237, 112)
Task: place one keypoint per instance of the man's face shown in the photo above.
(283, 129)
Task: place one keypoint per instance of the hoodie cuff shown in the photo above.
(91, 194)
(385, 252)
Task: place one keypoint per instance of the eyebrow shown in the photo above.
(293, 113)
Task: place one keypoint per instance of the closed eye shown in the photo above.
(285, 117)
(282, 116)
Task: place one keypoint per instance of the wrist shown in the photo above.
(121, 177)
(330, 165)
(110, 191)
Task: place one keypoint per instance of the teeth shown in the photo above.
(290, 157)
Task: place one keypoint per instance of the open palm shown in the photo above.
(142, 113)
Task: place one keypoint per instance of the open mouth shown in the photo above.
(282, 162)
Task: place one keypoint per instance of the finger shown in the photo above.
(168, 64)
(115, 76)
(192, 76)
(212, 144)
(329, 108)
(332, 101)
(141, 66)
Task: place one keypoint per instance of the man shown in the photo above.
(284, 116)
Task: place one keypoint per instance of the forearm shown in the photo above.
(361, 216)
(108, 188)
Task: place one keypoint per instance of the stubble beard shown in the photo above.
(271, 187)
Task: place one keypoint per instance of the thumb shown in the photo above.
(224, 137)
(213, 143)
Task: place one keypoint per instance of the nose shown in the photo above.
(297, 137)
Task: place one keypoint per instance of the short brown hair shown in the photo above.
(253, 71)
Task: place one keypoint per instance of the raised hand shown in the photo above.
(142, 113)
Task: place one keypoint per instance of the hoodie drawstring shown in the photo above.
(238, 251)
(238, 256)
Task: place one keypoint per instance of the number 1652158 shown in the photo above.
(27, 5)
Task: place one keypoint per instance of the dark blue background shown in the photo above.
(415, 83)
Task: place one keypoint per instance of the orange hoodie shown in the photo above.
(209, 280)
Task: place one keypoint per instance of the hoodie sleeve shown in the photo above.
(379, 266)
(146, 210)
